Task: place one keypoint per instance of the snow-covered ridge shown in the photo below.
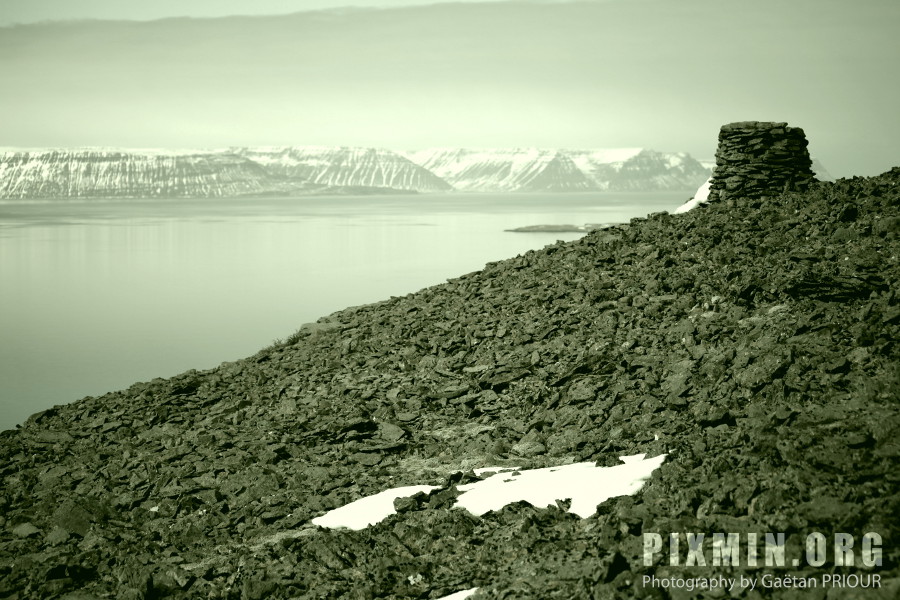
(103, 172)
(345, 166)
(533, 169)
(111, 172)
(289, 170)
(508, 170)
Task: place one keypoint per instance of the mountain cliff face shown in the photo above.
(345, 167)
(105, 173)
(96, 173)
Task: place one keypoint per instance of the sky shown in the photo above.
(408, 74)
(31, 11)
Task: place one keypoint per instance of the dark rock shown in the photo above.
(57, 536)
(257, 589)
(73, 518)
(409, 503)
(528, 448)
(390, 432)
(366, 458)
(25, 530)
(169, 579)
(79, 596)
(763, 370)
(848, 214)
(887, 226)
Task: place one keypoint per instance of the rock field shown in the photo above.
(754, 341)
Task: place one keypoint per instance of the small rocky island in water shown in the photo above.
(561, 228)
(742, 357)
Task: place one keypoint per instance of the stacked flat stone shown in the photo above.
(757, 159)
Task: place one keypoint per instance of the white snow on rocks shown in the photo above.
(585, 484)
(369, 510)
(461, 595)
(698, 199)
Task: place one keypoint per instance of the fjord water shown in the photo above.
(95, 295)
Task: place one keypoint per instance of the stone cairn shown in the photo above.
(757, 159)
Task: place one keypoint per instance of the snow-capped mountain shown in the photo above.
(647, 170)
(519, 170)
(292, 170)
(93, 173)
(599, 164)
(504, 170)
(345, 167)
(101, 173)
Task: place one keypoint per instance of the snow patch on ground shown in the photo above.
(369, 510)
(699, 198)
(462, 595)
(585, 484)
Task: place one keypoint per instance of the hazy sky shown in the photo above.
(30, 11)
(663, 74)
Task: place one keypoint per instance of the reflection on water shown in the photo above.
(98, 295)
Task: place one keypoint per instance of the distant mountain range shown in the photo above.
(325, 167)
(300, 170)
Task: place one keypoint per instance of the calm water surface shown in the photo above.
(97, 295)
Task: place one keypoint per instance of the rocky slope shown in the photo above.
(753, 343)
